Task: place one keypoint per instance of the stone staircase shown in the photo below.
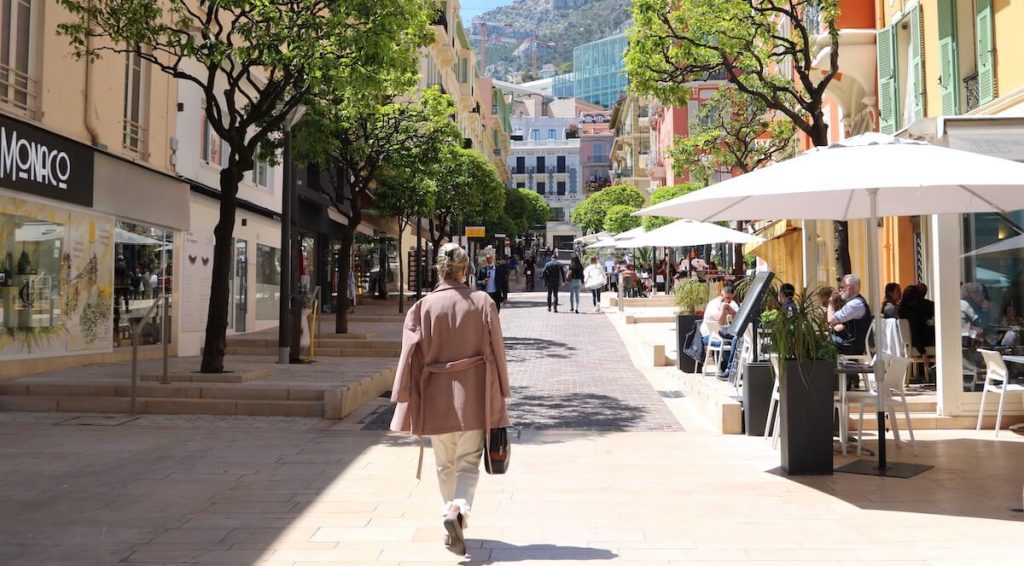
(332, 345)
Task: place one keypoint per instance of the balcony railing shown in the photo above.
(135, 138)
(598, 159)
(19, 92)
(973, 95)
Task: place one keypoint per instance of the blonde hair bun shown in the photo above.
(452, 261)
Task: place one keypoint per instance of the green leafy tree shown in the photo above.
(746, 42)
(619, 218)
(523, 209)
(468, 190)
(357, 144)
(590, 214)
(255, 62)
(734, 133)
(663, 194)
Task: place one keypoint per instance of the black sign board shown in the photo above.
(44, 164)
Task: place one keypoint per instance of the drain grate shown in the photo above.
(99, 420)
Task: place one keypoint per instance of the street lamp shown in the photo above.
(287, 196)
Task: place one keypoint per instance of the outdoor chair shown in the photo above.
(916, 358)
(746, 357)
(773, 421)
(995, 371)
(893, 393)
(716, 350)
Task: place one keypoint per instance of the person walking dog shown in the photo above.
(451, 385)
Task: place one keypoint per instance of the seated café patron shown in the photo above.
(719, 310)
(851, 322)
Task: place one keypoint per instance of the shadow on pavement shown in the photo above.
(505, 552)
(576, 411)
(518, 348)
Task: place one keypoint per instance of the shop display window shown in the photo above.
(31, 252)
(143, 274)
(268, 282)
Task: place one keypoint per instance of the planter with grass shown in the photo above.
(691, 297)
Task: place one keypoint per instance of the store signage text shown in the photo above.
(41, 163)
(24, 159)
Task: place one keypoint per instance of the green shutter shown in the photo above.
(916, 61)
(887, 103)
(949, 77)
(986, 53)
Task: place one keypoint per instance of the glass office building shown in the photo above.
(563, 86)
(599, 74)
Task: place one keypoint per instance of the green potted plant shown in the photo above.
(805, 358)
(691, 296)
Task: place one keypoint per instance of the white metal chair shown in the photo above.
(911, 352)
(746, 357)
(893, 393)
(716, 349)
(995, 371)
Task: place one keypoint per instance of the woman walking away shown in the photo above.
(575, 284)
(594, 279)
(451, 384)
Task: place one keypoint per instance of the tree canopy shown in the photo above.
(664, 194)
(468, 190)
(523, 209)
(590, 214)
(619, 218)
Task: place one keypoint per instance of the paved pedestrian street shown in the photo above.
(608, 467)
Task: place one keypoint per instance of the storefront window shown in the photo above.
(992, 294)
(143, 256)
(56, 291)
(268, 282)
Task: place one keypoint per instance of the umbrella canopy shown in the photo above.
(910, 178)
(866, 176)
(38, 232)
(630, 234)
(591, 238)
(692, 233)
(1008, 245)
(605, 243)
(122, 236)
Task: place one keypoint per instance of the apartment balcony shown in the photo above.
(19, 92)
(973, 94)
(135, 140)
(598, 160)
(527, 144)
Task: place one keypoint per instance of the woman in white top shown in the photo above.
(594, 279)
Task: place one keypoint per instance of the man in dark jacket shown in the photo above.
(493, 280)
(553, 276)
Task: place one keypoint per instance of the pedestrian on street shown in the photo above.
(594, 279)
(528, 271)
(451, 385)
(575, 284)
(493, 280)
(553, 276)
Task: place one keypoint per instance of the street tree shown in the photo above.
(590, 214)
(469, 190)
(358, 143)
(619, 218)
(523, 209)
(747, 43)
(254, 62)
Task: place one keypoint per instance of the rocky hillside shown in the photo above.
(553, 27)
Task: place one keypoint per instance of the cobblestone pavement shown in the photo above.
(568, 372)
(571, 371)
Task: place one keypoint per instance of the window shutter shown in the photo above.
(886, 81)
(986, 50)
(949, 70)
(917, 61)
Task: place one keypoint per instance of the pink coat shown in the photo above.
(453, 359)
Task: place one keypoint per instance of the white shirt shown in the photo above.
(854, 309)
(698, 264)
(713, 311)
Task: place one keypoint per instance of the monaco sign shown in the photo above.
(38, 162)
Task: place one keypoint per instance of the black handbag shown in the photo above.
(496, 451)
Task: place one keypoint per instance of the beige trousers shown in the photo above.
(458, 466)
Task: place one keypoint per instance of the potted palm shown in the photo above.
(691, 296)
(805, 359)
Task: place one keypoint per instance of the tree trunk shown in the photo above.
(737, 252)
(344, 267)
(841, 228)
(220, 286)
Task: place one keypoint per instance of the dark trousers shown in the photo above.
(496, 297)
(596, 293)
(552, 296)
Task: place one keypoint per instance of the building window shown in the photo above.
(540, 187)
(18, 86)
(560, 188)
(261, 174)
(134, 134)
(535, 135)
(557, 214)
(520, 185)
(552, 134)
(540, 164)
(560, 164)
(211, 144)
(520, 165)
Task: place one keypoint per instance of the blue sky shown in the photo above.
(472, 8)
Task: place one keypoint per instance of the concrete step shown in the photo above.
(376, 318)
(931, 421)
(646, 319)
(347, 352)
(163, 406)
(243, 340)
(158, 391)
(659, 301)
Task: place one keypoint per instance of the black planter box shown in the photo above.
(758, 382)
(684, 324)
(806, 389)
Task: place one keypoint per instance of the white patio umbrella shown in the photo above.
(605, 243)
(866, 176)
(1008, 245)
(122, 236)
(693, 233)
